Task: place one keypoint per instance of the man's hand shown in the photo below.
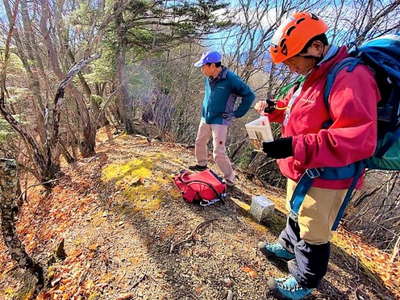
(266, 106)
(227, 116)
(281, 148)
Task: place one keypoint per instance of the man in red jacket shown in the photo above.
(314, 136)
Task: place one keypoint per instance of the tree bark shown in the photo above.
(126, 103)
(9, 194)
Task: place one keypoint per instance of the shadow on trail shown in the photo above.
(181, 286)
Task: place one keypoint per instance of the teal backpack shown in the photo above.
(382, 55)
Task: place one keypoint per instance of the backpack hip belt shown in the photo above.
(350, 171)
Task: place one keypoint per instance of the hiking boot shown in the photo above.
(229, 184)
(288, 288)
(292, 266)
(197, 168)
(275, 250)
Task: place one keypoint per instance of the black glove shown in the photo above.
(281, 148)
(271, 106)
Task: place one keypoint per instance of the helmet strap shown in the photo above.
(317, 58)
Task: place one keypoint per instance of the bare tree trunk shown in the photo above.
(44, 171)
(68, 157)
(89, 130)
(126, 103)
(101, 120)
(10, 191)
(33, 80)
(44, 157)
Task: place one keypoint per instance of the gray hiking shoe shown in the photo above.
(197, 168)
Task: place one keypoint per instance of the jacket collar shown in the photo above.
(332, 51)
(321, 70)
(221, 75)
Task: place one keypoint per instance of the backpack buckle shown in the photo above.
(313, 173)
(206, 203)
(293, 216)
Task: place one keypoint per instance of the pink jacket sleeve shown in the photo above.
(353, 134)
(278, 115)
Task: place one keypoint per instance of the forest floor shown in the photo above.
(129, 235)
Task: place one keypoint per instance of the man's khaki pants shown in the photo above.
(219, 134)
(317, 213)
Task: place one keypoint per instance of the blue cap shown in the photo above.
(208, 57)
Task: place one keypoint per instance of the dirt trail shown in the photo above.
(123, 221)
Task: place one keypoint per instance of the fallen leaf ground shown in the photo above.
(124, 227)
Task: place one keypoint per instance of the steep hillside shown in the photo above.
(128, 235)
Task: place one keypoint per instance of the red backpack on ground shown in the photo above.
(204, 187)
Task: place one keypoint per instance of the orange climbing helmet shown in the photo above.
(293, 34)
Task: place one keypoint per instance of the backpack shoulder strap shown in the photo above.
(350, 63)
(358, 172)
